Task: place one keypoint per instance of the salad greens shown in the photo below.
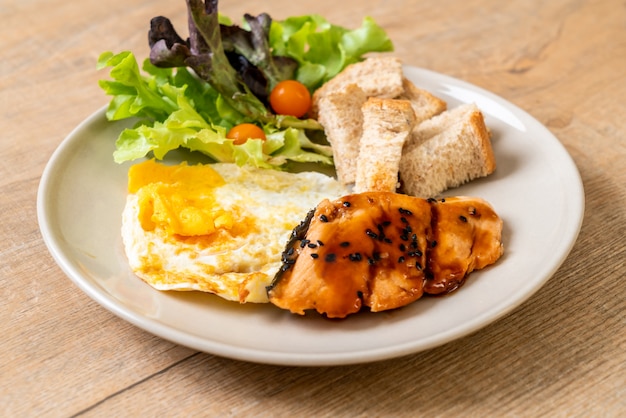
(189, 93)
(321, 49)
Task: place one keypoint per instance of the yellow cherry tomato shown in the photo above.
(290, 97)
(244, 131)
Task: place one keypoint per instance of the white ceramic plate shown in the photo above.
(536, 190)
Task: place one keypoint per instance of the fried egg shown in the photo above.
(216, 228)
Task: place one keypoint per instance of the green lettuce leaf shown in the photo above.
(322, 49)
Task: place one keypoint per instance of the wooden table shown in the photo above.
(562, 353)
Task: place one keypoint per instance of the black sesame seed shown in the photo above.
(414, 244)
(401, 259)
(355, 257)
(314, 255)
(346, 204)
(472, 210)
(418, 265)
(330, 257)
(304, 243)
(387, 240)
(290, 251)
(463, 218)
(433, 244)
(386, 223)
(320, 243)
(371, 233)
(402, 247)
(323, 218)
(414, 237)
(371, 261)
(376, 256)
(311, 245)
(380, 228)
(359, 294)
(443, 200)
(405, 211)
(404, 237)
(285, 267)
(431, 200)
(344, 244)
(403, 220)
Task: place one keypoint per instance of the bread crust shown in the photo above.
(483, 137)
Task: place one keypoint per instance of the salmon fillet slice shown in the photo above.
(466, 236)
(381, 251)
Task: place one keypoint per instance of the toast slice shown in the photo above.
(376, 76)
(340, 115)
(446, 151)
(387, 124)
(425, 104)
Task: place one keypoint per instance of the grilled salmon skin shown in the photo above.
(382, 251)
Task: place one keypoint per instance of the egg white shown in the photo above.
(236, 268)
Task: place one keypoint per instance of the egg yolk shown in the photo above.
(150, 171)
(178, 198)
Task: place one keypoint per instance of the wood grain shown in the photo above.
(562, 353)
